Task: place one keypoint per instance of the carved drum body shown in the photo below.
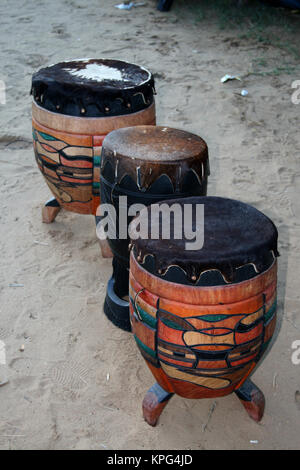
(202, 321)
(75, 105)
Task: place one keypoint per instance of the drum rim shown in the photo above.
(150, 75)
(111, 153)
(90, 97)
(224, 261)
(87, 125)
(173, 286)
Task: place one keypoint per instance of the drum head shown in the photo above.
(93, 88)
(239, 242)
(156, 159)
(155, 144)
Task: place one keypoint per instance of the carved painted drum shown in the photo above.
(144, 165)
(75, 104)
(202, 319)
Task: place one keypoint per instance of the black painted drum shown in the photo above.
(147, 164)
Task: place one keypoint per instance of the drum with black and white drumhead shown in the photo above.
(75, 104)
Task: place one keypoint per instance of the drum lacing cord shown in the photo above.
(112, 191)
(135, 306)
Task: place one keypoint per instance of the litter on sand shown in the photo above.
(275, 380)
(40, 243)
(254, 442)
(129, 5)
(14, 284)
(227, 77)
(244, 92)
(3, 382)
(211, 410)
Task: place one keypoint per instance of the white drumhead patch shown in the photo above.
(97, 72)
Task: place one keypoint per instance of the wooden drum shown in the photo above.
(145, 164)
(75, 104)
(202, 319)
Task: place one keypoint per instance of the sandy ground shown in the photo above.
(79, 383)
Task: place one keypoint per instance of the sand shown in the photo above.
(76, 381)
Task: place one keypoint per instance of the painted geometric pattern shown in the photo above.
(213, 351)
(97, 148)
(67, 162)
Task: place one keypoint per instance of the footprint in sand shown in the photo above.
(24, 19)
(70, 276)
(35, 60)
(10, 142)
(4, 333)
(70, 375)
(60, 31)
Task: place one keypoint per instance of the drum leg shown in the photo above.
(50, 210)
(154, 402)
(105, 249)
(104, 245)
(252, 399)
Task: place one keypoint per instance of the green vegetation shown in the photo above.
(255, 22)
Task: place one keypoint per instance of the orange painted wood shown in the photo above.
(189, 390)
(250, 370)
(185, 339)
(76, 136)
(105, 249)
(170, 335)
(97, 142)
(96, 176)
(76, 163)
(188, 309)
(143, 331)
(161, 377)
(241, 338)
(69, 138)
(49, 172)
(244, 360)
(154, 403)
(147, 296)
(176, 362)
(212, 365)
(94, 206)
(203, 295)
(252, 399)
(228, 323)
(49, 214)
(91, 126)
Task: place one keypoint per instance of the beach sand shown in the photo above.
(74, 380)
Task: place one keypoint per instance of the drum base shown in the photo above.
(115, 308)
(249, 395)
(252, 399)
(154, 402)
(50, 210)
